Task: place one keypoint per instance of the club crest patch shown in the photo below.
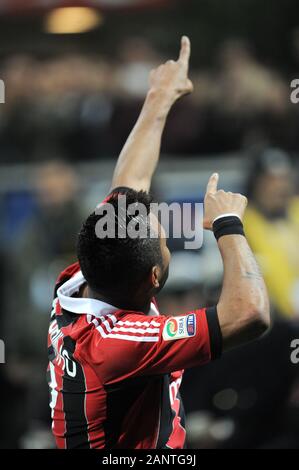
(180, 327)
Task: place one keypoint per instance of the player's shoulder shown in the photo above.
(126, 329)
(128, 320)
(138, 316)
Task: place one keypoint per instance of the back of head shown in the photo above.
(115, 266)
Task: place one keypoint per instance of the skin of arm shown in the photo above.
(243, 308)
(139, 157)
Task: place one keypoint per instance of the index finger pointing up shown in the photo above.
(213, 184)
(185, 51)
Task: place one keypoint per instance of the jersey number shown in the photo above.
(70, 365)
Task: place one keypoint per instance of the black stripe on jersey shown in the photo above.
(59, 284)
(66, 318)
(120, 399)
(182, 413)
(167, 415)
(215, 332)
(51, 353)
(74, 395)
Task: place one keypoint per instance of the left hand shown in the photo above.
(218, 203)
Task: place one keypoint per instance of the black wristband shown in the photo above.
(228, 225)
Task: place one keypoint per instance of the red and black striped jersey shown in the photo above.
(114, 375)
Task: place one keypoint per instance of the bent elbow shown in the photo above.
(259, 321)
(261, 326)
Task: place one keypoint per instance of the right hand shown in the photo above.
(171, 78)
(218, 203)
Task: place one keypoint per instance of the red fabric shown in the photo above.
(113, 349)
(115, 359)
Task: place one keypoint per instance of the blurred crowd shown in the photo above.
(82, 107)
(75, 108)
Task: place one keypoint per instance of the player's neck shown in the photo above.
(135, 305)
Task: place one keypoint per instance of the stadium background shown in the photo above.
(70, 102)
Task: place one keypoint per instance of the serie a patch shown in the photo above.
(180, 327)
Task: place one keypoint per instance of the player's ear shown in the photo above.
(155, 275)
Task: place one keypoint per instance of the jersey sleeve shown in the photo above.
(139, 345)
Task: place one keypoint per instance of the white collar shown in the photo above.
(82, 305)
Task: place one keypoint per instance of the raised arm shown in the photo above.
(140, 155)
(243, 308)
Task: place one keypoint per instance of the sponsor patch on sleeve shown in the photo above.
(180, 327)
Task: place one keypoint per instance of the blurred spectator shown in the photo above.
(272, 227)
(250, 101)
(245, 85)
(137, 59)
(46, 245)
